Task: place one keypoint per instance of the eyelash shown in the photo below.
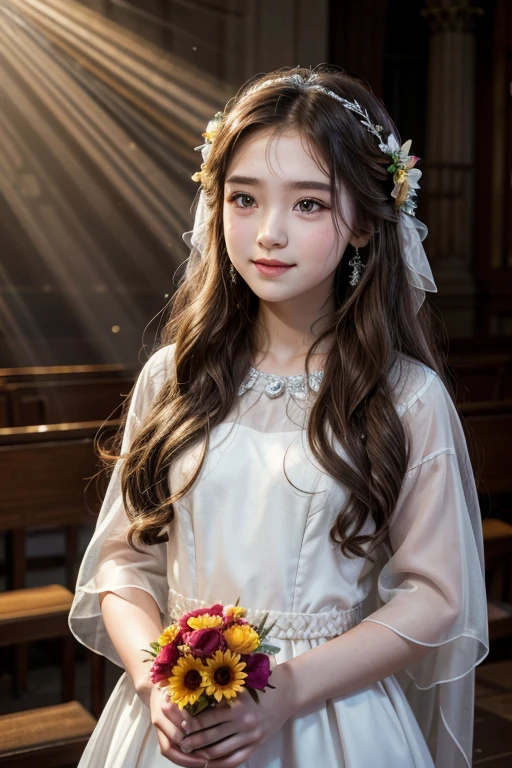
(235, 195)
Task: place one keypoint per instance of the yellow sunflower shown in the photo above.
(241, 638)
(223, 676)
(186, 683)
(168, 635)
(205, 621)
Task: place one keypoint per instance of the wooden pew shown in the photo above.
(489, 427)
(491, 424)
(4, 408)
(55, 394)
(43, 475)
(40, 613)
(66, 372)
(53, 402)
(50, 737)
(482, 377)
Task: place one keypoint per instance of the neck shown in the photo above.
(284, 336)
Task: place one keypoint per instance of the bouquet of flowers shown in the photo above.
(210, 655)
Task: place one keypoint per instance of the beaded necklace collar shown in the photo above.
(275, 385)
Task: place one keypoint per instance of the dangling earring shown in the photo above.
(232, 273)
(358, 267)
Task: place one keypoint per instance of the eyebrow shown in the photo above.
(249, 180)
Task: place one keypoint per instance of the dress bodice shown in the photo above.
(256, 523)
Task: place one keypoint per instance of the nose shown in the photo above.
(272, 233)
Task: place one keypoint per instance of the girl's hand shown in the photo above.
(167, 718)
(241, 728)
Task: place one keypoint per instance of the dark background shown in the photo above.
(102, 102)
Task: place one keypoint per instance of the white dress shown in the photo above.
(244, 530)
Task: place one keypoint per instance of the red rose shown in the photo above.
(214, 610)
(257, 668)
(204, 642)
(165, 661)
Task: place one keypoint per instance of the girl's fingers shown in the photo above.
(201, 739)
(179, 717)
(234, 760)
(209, 718)
(226, 747)
(172, 752)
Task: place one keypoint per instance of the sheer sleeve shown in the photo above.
(109, 563)
(431, 586)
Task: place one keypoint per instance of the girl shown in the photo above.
(293, 444)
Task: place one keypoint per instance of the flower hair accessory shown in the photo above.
(211, 132)
(405, 176)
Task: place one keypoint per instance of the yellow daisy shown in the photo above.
(168, 635)
(186, 683)
(205, 621)
(223, 676)
(241, 638)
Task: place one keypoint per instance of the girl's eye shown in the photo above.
(307, 205)
(245, 200)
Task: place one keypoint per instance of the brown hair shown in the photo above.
(212, 323)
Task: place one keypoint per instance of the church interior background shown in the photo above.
(101, 105)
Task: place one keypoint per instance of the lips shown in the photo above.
(272, 270)
(272, 263)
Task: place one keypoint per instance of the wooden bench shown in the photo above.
(71, 393)
(482, 377)
(489, 427)
(49, 737)
(4, 409)
(51, 402)
(40, 613)
(44, 471)
(493, 704)
(43, 475)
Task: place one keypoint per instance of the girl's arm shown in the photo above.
(132, 621)
(360, 657)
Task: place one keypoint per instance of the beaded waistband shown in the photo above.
(289, 626)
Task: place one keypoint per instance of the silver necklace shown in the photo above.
(275, 385)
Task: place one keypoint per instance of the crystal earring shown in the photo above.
(232, 273)
(358, 267)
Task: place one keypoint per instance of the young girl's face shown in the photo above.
(277, 206)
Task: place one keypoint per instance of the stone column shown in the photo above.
(449, 162)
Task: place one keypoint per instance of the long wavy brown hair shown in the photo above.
(213, 323)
